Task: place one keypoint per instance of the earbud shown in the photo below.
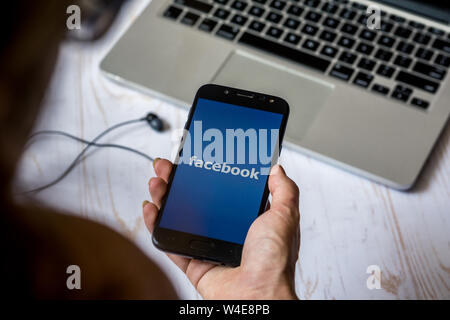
(154, 121)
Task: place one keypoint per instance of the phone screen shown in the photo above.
(218, 185)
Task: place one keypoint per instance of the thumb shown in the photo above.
(285, 193)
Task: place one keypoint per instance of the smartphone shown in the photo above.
(219, 182)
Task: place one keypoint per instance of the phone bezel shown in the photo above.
(217, 251)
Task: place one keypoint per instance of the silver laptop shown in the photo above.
(369, 101)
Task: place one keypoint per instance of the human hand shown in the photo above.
(270, 250)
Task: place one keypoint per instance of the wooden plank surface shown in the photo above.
(347, 223)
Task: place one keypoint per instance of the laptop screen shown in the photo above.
(435, 9)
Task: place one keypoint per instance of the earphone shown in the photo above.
(152, 119)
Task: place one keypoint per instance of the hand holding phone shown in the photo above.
(218, 185)
(270, 250)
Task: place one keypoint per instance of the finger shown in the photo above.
(162, 167)
(285, 193)
(150, 212)
(180, 262)
(157, 187)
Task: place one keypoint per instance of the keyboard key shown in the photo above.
(385, 71)
(207, 25)
(436, 31)
(256, 11)
(342, 72)
(295, 10)
(313, 16)
(291, 23)
(396, 18)
(238, 19)
(330, 7)
(222, 2)
(278, 49)
(349, 28)
(172, 12)
(366, 64)
(402, 32)
(421, 38)
(347, 57)
(309, 29)
(273, 17)
(277, 4)
(274, 32)
(260, 1)
(405, 47)
(424, 54)
(312, 3)
(292, 38)
(346, 42)
(418, 82)
(402, 61)
(386, 41)
(378, 88)
(362, 19)
(420, 103)
(386, 26)
(383, 55)
(311, 44)
(227, 31)
(367, 35)
(442, 45)
(331, 23)
(359, 6)
(430, 71)
(364, 48)
(416, 25)
(363, 79)
(442, 60)
(221, 13)
(329, 51)
(190, 18)
(195, 4)
(239, 5)
(256, 26)
(328, 36)
(347, 14)
(401, 93)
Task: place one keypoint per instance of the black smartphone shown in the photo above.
(218, 185)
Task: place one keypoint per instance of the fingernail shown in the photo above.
(145, 203)
(154, 161)
(276, 169)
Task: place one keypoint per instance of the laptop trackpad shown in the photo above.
(305, 95)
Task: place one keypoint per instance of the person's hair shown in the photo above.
(28, 54)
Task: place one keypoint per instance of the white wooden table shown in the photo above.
(347, 223)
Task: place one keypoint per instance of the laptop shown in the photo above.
(370, 101)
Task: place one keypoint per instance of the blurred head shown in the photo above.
(27, 58)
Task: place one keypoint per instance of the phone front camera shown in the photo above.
(226, 92)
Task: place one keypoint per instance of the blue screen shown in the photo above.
(219, 183)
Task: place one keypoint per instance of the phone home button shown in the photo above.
(201, 245)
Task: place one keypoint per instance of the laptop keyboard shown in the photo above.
(331, 37)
